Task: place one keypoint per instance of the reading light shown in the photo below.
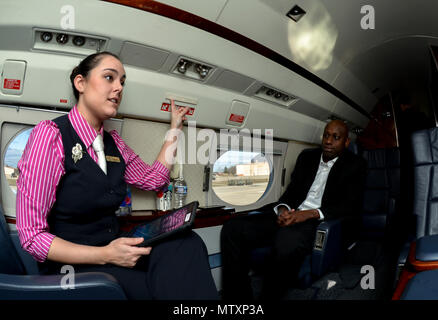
(192, 69)
(202, 70)
(182, 66)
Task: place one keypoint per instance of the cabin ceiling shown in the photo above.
(329, 40)
(345, 69)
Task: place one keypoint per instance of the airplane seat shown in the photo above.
(16, 283)
(377, 241)
(423, 286)
(423, 254)
(332, 240)
(425, 158)
(381, 193)
(354, 148)
(425, 200)
(329, 247)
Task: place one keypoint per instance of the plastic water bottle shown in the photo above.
(168, 197)
(180, 190)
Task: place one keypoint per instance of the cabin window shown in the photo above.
(241, 178)
(12, 155)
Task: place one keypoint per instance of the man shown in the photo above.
(326, 183)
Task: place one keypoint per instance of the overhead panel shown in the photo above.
(275, 96)
(68, 42)
(233, 81)
(143, 56)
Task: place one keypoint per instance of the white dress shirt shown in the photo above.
(314, 196)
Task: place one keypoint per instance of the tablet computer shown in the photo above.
(169, 224)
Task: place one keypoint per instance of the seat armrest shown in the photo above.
(423, 254)
(427, 248)
(86, 286)
(329, 245)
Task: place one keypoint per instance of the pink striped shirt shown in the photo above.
(42, 166)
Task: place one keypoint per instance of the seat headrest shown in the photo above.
(382, 158)
(425, 146)
(353, 147)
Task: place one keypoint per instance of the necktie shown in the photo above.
(98, 148)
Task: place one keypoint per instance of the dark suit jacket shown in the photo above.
(343, 192)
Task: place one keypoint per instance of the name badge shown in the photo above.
(112, 159)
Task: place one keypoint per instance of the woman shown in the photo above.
(67, 195)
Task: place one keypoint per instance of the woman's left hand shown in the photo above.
(178, 116)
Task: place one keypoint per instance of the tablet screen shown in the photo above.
(163, 225)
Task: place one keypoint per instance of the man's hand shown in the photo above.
(288, 218)
(284, 216)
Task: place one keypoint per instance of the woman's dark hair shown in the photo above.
(86, 65)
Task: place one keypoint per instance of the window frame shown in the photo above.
(271, 175)
(9, 132)
(273, 190)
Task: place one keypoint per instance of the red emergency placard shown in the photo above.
(13, 84)
(236, 118)
(166, 107)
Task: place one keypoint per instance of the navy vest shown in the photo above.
(86, 198)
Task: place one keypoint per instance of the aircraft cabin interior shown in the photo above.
(261, 79)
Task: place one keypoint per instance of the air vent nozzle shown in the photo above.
(275, 96)
(68, 42)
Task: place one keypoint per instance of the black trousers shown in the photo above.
(176, 269)
(290, 246)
